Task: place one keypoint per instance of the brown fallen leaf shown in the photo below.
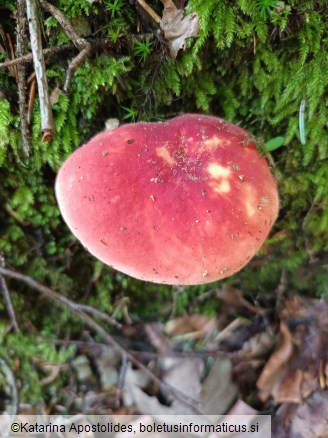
(191, 327)
(177, 27)
(219, 391)
(305, 420)
(276, 367)
(157, 338)
(184, 375)
(234, 301)
(296, 368)
(54, 96)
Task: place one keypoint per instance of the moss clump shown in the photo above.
(253, 63)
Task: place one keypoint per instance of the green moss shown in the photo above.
(252, 63)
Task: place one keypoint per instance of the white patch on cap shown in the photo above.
(224, 187)
(217, 171)
(165, 154)
(250, 200)
(250, 210)
(213, 142)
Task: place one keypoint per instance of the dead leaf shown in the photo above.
(219, 391)
(54, 96)
(134, 381)
(191, 327)
(294, 371)
(306, 420)
(177, 27)
(276, 367)
(107, 363)
(257, 346)
(185, 375)
(289, 389)
(234, 300)
(158, 340)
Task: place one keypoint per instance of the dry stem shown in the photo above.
(26, 59)
(149, 11)
(21, 75)
(47, 121)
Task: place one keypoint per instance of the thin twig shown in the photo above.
(12, 382)
(4, 38)
(149, 355)
(149, 11)
(47, 53)
(47, 121)
(31, 99)
(109, 340)
(120, 384)
(281, 290)
(11, 53)
(101, 315)
(80, 43)
(7, 299)
(50, 52)
(75, 64)
(21, 75)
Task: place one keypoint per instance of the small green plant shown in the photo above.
(266, 7)
(142, 49)
(114, 7)
(115, 34)
(130, 113)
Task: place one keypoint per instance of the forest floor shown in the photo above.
(263, 358)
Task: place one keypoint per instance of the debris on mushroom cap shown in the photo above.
(187, 201)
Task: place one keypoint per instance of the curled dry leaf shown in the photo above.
(191, 326)
(177, 27)
(275, 369)
(296, 369)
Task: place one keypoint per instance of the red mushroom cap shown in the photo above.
(187, 201)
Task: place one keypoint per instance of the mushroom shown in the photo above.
(186, 201)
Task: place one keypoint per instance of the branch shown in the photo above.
(80, 43)
(99, 43)
(47, 121)
(47, 53)
(149, 11)
(89, 322)
(7, 299)
(21, 75)
(101, 315)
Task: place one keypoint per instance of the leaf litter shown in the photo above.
(249, 359)
(177, 26)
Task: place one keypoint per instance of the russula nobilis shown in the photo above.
(187, 201)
